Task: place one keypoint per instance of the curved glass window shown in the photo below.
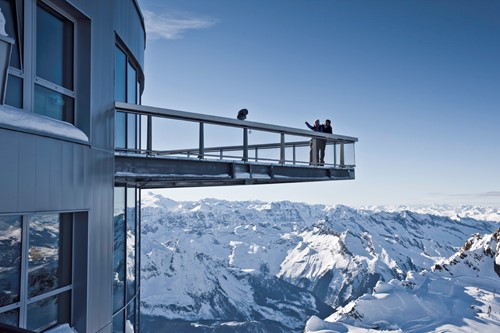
(127, 126)
(125, 259)
(119, 249)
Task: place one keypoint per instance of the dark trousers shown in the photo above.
(320, 152)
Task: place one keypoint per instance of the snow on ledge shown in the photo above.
(16, 119)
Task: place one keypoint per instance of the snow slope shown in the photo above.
(460, 295)
(272, 267)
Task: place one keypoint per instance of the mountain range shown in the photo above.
(224, 266)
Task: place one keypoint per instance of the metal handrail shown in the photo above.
(201, 151)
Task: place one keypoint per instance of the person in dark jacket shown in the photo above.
(325, 128)
(313, 155)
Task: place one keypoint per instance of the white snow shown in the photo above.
(13, 118)
(200, 250)
(63, 328)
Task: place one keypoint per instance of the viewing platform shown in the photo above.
(163, 148)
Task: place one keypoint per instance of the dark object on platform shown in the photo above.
(242, 114)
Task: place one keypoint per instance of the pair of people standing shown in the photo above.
(320, 143)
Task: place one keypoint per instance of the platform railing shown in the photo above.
(140, 132)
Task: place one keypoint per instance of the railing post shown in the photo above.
(149, 136)
(314, 152)
(354, 153)
(245, 144)
(256, 154)
(282, 149)
(334, 154)
(342, 155)
(201, 151)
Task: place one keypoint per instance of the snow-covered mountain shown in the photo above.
(218, 266)
(458, 295)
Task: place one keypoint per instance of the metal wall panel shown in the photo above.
(57, 163)
(9, 175)
(27, 175)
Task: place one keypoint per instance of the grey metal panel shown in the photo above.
(42, 174)
(78, 175)
(55, 180)
(9, 155)
(67, 175)
(27, 176)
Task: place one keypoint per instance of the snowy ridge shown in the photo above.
(453, 212)
(269, 267)
(459, 296)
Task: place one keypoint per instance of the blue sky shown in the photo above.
(417, 81)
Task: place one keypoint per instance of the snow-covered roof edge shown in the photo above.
(15, 119)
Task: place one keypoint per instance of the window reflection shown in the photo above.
(131, 231)
(130, 323)
(10, 259)
(131, 84)
(14, 96)
(49, 312)
(10, 317)
(119, 249)
(53, 104)
(120, 76)
(54, 48)
(49, 256)
(118, 322)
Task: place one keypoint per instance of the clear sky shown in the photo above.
(417, 81)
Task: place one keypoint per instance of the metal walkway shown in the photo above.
(149, 153)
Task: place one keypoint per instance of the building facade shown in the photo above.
(68, 234)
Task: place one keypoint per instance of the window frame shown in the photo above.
(130, 306)
(136, 120)
(36, 80)
(22, 305)
(25, 21)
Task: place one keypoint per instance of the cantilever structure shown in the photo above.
(241, 163)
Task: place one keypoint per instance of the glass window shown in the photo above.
(127, 129)
(52, 104)
(40, 248)
(8, 8)
(118, 320)
(131, 84)
(119, 249)
(120, 75)
(130, 323)
(49, 312)
(14, 96)
(131, 246)
(10, 259)
(48, 266)
(54, 47)
(10, 317)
